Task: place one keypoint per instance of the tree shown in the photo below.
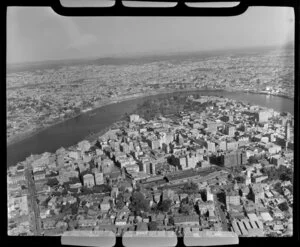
(120, 201)
(277, 187)
(122, 188)
(272, 173)
(190, 188)
(102, 188)
(185, 209)
(240, 179)
(64, 192)
(52, 182)
(230, 177)
(171, 221)
(65, 208)
(86, 191)
(252, 160)
(152, 226)
(74, 180)
(72, 224)
(74, 208)
(285, 174)
(56, 193)
(164, 205)
(283, 206)
(285, 177)
(138, 203)
(263, 171)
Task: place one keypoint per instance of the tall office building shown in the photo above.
(230, 130)
(263, 116)
(234, 158)
(211, 147)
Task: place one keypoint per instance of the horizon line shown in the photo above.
(150, 54)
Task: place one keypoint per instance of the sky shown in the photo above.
(39, 34)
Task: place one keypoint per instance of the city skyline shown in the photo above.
(179, 125)
(39, 34)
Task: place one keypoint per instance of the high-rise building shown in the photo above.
(223, 145)
(257, 192)
(234, 158)
(211, 146)
(232, 145)
(192, 160)
(152, 168)
(263, 116)
(230, 130)
(99, 178)
(232, 198)
(146, 167)
(209, 195)
(88, 180)
(166, 148)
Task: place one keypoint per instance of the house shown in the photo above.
(121, 221)
(87, 223)
(168, 194)
(266, 217)
(191, 220)
(232, 198)
(278, 227)
(156, 197)
(204, 207)
(258, 192)
(61, 225)
(17, 178)
(99, 178)
(139, 218)
(115, 175)
(146, 220)
(44, 213)
(183, 196)
(160, 219)
(114, 192)
(176, 200)
(105, 204)
(278, 214)
(39, 175)
(130, 219)
(88, 180)
(48, 224)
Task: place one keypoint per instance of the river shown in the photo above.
(71, 131)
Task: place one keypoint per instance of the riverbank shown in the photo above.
(271, 94)
(94, 123)
(23, 136)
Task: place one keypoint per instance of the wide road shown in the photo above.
(34, 208)
(221, 214)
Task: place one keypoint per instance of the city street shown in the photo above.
(221, 214)
(33, 207)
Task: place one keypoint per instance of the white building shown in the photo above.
(134, 118)
(88, 180)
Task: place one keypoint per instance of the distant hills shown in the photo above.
(135, 59)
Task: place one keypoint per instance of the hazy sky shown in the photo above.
(36, 33)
